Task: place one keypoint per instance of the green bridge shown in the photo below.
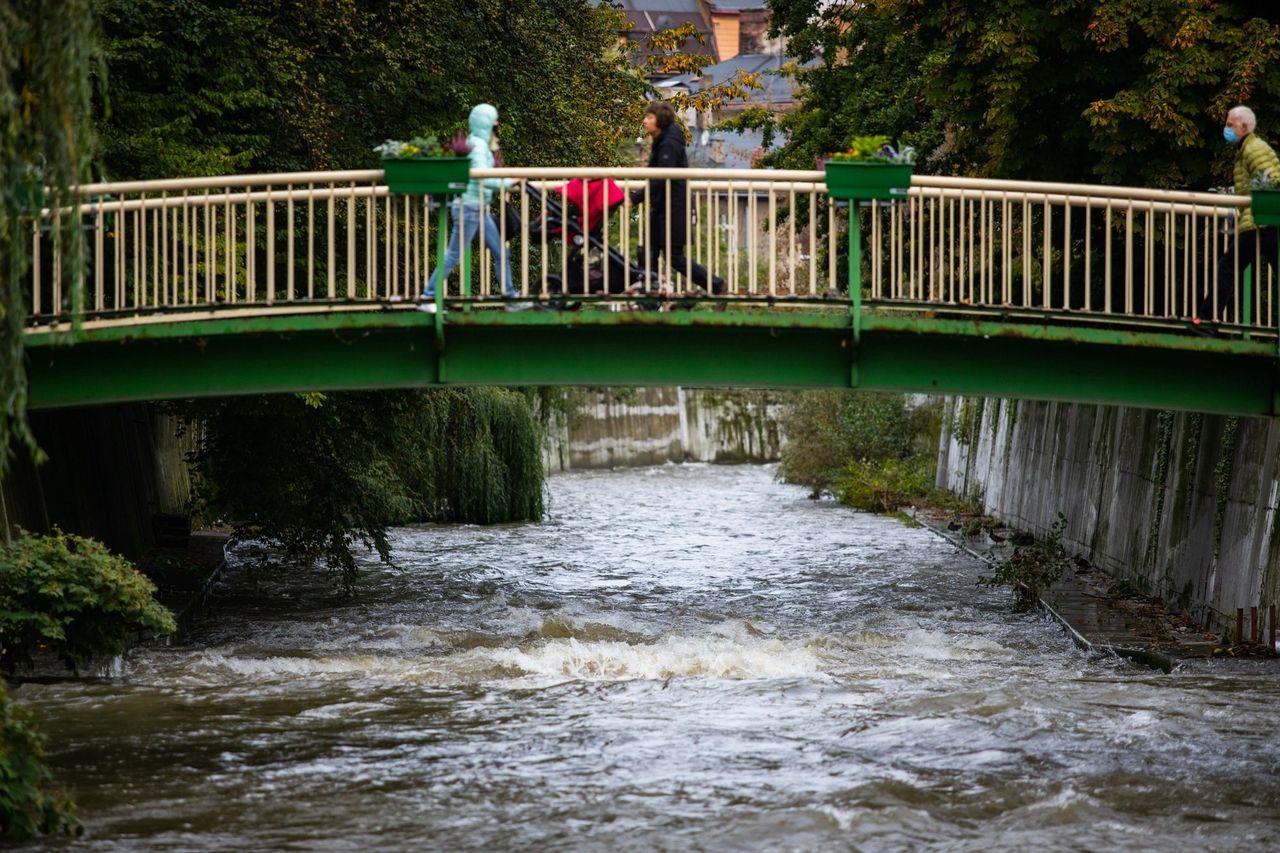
(275, 283)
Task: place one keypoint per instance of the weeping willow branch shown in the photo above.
(48, 50)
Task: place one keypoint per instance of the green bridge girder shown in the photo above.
(394, 347)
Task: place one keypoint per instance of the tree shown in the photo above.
(46, 141)
(316, 474)
(1118, 91)
(224, 86)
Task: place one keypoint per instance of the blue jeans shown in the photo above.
(466, 222)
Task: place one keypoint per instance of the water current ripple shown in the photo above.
(679, 658)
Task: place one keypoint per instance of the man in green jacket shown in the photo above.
(1254, 157)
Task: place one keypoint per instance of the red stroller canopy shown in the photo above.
(601, 195)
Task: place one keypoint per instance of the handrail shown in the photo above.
(1090, 190)
(645, 173)
(1111, 253)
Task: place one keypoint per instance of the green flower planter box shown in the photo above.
(1266, 207)
(867, 180)
(427, 175)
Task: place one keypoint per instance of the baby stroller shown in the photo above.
(576, 213)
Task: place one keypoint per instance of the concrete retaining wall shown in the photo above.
(1183, 502)
(607, 428)
(110, 470)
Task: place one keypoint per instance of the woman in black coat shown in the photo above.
(668, 152)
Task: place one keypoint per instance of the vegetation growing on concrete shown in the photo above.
(743, 417)
(1032, 568)
(966, 420)
(1160, 476)
(1222, 478)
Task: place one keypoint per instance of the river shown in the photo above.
(679, 658)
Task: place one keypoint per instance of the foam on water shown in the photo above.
(671, 656)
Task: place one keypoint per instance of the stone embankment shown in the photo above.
(1097, 612)
(607, 428)
(1179, 506)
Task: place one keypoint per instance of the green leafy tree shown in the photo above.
(224, 86)
(869, 80)
(1121, 91)
(316, 475)
(46, 140)
(828, 430)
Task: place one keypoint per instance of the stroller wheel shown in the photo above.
(559, 305)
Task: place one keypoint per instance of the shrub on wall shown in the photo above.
(71, 596)
(1033, 568)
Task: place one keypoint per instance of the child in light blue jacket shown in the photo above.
(470, 211)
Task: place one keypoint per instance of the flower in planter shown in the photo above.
(420, 146)
(874, 149)
(1264, 181)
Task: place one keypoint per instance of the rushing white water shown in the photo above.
(687, 657)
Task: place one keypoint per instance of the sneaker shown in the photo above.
(518, 306)
(427, 307)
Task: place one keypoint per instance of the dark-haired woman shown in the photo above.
(668, 152)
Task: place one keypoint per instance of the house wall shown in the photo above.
(724, 26)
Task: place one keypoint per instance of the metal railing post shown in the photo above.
(855, 286)
(1246, 309)
(442, 245)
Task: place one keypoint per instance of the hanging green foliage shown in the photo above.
(47, 49)
(316, 475)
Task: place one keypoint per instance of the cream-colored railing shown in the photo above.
(335, 240)
(1102, 253)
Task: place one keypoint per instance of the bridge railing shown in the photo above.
(300, 239)
(341, 240)
(1102, 253)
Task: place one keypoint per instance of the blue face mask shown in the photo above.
(1229, 134)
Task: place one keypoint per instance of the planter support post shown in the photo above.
(442, 244)
(855, 285)
(1246, 310)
